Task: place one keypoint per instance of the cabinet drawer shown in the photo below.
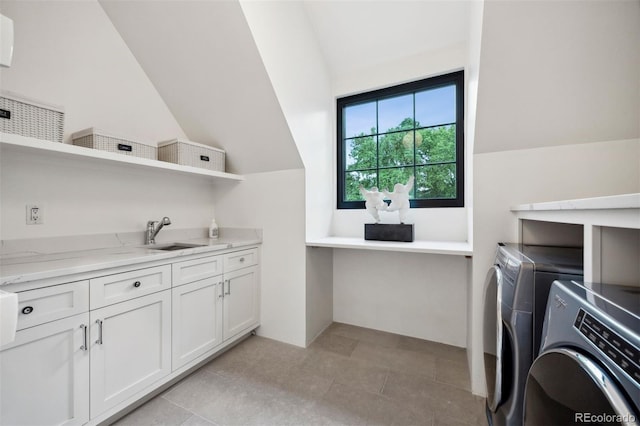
(195, 270)
(128, 285)
(52, 303)
(240, 259)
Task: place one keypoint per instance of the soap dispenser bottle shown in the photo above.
(213, 230)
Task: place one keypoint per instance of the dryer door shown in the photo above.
(493, 337)
(565, 387)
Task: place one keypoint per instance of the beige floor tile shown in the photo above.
(396, 359)
(348, 376)
(334, 343)
(197, 389)
(362, 334)
(294, 380)
(454, 373)
(195, 420)
(157, 411)
(356, 373)
(447, 402)
(453, 353)
(356, 406)
(231, 363)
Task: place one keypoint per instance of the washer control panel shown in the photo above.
(611, 344)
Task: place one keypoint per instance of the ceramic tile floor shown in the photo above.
(348, 376)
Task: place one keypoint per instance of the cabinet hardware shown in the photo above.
(84, 346)
(241, 259)
(228, 293)
(99, 341)
(27, 310)
(137, 284)
(221, 295)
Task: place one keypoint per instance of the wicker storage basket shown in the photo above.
(98, 139)
(31, 118)
(193, 154)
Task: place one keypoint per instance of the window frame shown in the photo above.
(456, 78)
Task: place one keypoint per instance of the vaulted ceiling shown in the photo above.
(357, 34)
(202, 59)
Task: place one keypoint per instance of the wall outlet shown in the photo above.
(35, 214)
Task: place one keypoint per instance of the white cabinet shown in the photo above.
(51, 303)
(196, 319)
(44, 375)
(241, 295)
(127, 285)
(86, 349)
(130, 348)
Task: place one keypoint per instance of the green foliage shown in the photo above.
(391, 161)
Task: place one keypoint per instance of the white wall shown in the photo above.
(273, 201)
(558, 72)
(90, 197)
(68, 53)
(319, 291)
(557, 75)
(423, 296)
(283, 35)
(448, 224)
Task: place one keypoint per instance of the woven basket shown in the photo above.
(98, 139)
(31, 118)
(192, 154)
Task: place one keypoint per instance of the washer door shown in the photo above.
(565, 387)
(493, 337)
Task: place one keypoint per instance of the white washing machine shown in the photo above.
(588, 370)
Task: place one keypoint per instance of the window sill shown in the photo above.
(454, 248)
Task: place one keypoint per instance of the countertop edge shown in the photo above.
(148, 257)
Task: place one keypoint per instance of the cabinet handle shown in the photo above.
(228, 293)
(241, 259)
(137, 284)
(84, 346)
(221, 295)
(27, 310)
(99, 341)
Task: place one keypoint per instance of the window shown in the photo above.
(413, 129)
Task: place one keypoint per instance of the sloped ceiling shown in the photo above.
(201, 57)
(556, 73)
(355, 35)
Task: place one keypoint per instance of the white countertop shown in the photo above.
(624, 201)
(620, 211)
(25, 267)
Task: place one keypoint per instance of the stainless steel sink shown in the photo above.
(175, 246)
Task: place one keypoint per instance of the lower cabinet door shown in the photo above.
(130, 348)
(44, 375)
(197, 319)
(241, 301)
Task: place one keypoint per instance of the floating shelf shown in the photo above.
(31, 144)
(425, 247)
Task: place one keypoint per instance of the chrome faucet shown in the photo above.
(153, 227)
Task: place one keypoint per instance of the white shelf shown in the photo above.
(25, 143)
(426, 247)
(622, 211)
